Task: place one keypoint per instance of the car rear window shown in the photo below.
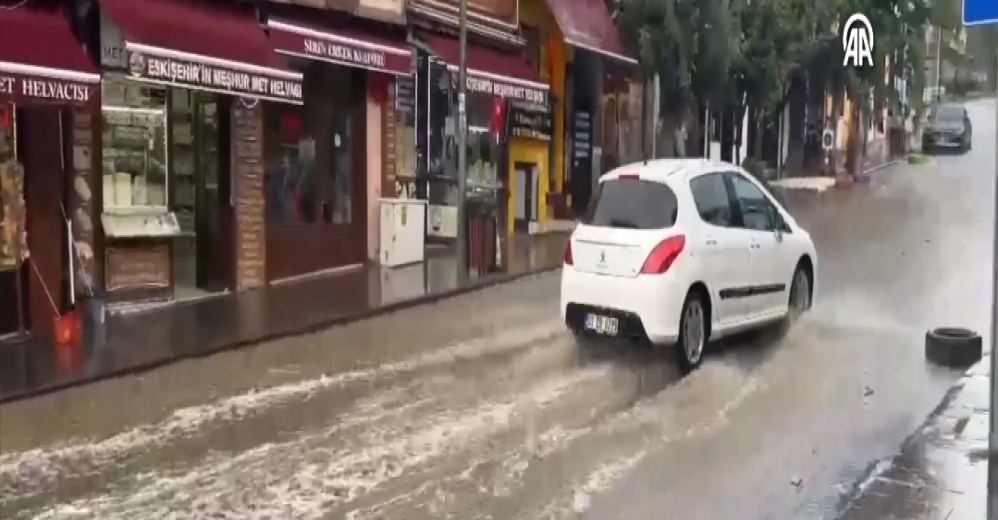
(632, 204)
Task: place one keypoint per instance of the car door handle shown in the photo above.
(712, 242)
(755, 246)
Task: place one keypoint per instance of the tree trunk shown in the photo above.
(667, 135)
(727, 119)
(739, 132)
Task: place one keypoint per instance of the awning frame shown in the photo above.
(590, 48)
(11, 67)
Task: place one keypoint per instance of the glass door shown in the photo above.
(211, 246)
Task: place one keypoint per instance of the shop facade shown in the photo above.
(186, 90)
(501, 82)
(330, 160)
(49, 107)
(577, 46)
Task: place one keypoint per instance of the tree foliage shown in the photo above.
(743, 54)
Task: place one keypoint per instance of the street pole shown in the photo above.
(462, 149)
(939, 61)
(992, 506)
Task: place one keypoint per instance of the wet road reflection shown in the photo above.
(479, 407)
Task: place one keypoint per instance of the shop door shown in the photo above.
(40, 138)
(316, 176)
(526, 195)
(212, 214)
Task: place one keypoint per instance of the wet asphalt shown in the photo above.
(479, 408)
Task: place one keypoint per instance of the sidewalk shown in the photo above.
(142, 341)
(934, 477)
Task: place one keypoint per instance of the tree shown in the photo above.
(688, 46)
(754, 57)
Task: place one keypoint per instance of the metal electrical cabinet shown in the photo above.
(403, 231)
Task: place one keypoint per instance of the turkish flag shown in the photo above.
(498, 123)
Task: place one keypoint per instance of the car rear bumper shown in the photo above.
(647, 306)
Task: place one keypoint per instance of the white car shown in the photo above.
(684, 251)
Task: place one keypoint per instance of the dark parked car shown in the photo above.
(948, 128)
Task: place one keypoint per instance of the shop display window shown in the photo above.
(405, 128)
(13, 236)
(134, 146)
(290, 182)
(309, 153)
(484, 146)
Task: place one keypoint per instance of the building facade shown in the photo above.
(327, 159)
(49, 132)
(501, 82)
(576, 47)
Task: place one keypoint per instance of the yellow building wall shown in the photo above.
(535, 13)
(534, 152)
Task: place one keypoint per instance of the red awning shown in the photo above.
(202, 45)
(586, 24)
(354, 47)
(490, 71)
(40, 59)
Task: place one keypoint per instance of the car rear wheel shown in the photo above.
(800, 294)
(692, 333)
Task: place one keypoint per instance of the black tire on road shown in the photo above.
(953, 347)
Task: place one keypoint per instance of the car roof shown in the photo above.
(663, 170)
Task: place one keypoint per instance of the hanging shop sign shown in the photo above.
(72, 88)
(530, 121)
(332, 47)
(252, 82)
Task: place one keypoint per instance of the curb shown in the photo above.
(426, 299)
(857, 489)
(846, 181)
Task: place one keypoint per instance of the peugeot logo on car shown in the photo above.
(602, 258)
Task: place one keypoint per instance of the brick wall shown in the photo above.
(247, 175)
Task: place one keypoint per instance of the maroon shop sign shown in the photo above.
(251, 82)
(302, 42)
(23, 88)
(508, 88)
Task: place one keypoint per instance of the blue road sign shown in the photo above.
(980, 12)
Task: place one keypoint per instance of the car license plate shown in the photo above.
(601, 324)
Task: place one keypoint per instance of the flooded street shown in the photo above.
(479, 407)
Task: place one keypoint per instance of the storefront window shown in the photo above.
(405, 127)
(309, 153)
(134, 146)
(290, 174)
(483, 142)
(13, 244)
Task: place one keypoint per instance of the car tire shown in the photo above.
(798, 300)
(953, 347)
(693, 333)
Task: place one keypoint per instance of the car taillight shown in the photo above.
(568, 253)
(664, 254)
